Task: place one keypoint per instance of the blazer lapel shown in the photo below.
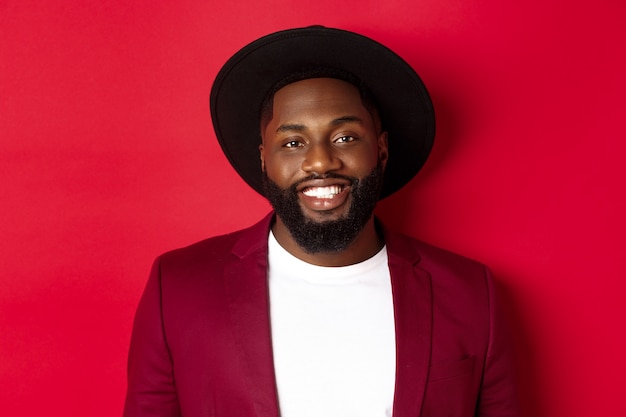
(246, 282)
(412, 300)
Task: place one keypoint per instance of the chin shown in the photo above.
(331, 230)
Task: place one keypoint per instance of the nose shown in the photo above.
(320, 159)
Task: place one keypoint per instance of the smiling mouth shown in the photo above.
(327, 192)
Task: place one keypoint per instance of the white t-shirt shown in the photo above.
(333, 336)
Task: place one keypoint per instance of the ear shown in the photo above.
(383, 150)
(262, 156)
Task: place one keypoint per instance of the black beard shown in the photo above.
(332, 235)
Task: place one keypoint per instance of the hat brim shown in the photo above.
(242, 83)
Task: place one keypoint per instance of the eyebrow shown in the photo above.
(336, 122)
(288, 128)
(346, 119)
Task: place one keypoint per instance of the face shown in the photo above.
(323, 155)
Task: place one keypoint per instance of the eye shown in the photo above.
(345, 139)
(293, 144)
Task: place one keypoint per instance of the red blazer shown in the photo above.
(201, 343)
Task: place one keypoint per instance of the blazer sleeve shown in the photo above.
(498, 393)
(151, 389)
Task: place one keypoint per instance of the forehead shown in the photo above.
(316, 95)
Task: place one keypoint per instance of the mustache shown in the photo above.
(353, 181)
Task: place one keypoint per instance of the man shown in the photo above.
(319, 310)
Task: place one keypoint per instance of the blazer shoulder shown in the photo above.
(217, 250)
(454, 275)
(434, 255)
(427, 255)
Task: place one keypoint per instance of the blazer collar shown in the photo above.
(253, 240)
(246, 281)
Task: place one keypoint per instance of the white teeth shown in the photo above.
(322, 192)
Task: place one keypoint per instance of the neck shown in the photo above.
(365, 245)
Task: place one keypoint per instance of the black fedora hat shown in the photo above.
(402, 99)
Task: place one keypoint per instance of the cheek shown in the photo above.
(281, 170)
(363, 162)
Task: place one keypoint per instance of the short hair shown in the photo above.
(367, 98)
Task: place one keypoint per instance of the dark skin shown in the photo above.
(320, 126)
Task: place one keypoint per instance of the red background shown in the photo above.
(108, 158)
